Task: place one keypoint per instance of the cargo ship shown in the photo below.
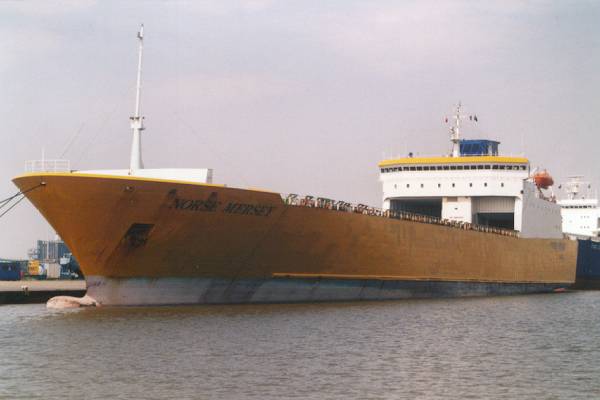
(471, 223)
(581, 222)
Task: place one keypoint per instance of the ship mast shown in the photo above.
(573, 185)
(137, 121)
(455, 133)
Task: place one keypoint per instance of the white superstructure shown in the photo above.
(472, 185)
(580, 212)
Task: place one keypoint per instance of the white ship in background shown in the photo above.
(580, 211)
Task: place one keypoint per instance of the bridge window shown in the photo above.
(487, 167)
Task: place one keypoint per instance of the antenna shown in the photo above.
(137, 121)
(573, 186)
(455, 132)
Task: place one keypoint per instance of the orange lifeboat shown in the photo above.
(543, 180)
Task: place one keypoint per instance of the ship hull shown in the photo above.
(174, 291)
(588, 265)
(149, 241)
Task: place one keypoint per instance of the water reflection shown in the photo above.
(537, 346)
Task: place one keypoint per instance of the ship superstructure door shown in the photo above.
(494, 211)
(430, 206)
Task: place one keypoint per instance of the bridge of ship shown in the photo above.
(477, 187)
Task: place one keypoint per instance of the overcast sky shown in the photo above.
(302, 97)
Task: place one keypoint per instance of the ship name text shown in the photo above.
(248, 209)
(210, 204)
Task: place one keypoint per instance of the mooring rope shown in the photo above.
(8, 200)
(11, 207)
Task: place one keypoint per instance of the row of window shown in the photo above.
(578, 206)
(455, 167)
(439, 185)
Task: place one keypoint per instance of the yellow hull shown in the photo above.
(123, 227)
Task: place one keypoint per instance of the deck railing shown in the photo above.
(48, 166)
(329, 204)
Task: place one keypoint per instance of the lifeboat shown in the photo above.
(543, 180)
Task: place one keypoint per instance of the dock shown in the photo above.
(28, 292)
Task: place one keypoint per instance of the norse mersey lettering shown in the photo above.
(209, 204)
(248, 209)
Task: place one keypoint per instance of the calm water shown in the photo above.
(537, 347)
